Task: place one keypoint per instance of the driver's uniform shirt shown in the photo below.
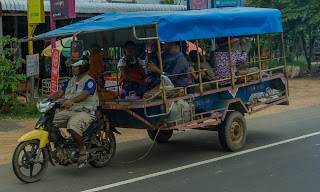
(80, 115)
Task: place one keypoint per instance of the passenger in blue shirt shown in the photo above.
(174, 63)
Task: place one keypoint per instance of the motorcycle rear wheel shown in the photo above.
(107, 139)
(24, 158)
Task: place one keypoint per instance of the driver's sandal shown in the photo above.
(83, 162)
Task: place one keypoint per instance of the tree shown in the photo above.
(301, 21)
(171, 2)
(9, 79)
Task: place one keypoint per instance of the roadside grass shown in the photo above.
(22, 111)
(301, 62)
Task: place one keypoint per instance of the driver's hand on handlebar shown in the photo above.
(68, 103)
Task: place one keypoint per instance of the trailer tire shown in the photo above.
(162, 137)
(233, 131)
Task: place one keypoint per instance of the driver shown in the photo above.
(80, 106)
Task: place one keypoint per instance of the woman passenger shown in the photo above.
(220, 60)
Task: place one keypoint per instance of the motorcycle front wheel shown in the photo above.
(29, 162)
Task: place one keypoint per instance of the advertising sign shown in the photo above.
(55, 71)
(227, 3)
(35, 11)
(32, 65)
(198, 4)
(62, 9)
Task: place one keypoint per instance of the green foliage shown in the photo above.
(9, 79)
(301, 21)
(19, 111)
(28, 110)
(301, 61)
(170, 2)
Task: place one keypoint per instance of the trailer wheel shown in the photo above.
(162, 137)
(233, 131)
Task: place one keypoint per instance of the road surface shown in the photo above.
(282, 153)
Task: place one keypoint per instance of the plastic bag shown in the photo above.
(132, 96)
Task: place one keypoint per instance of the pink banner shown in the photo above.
(55, 71)
(62, 9)
(199, 4)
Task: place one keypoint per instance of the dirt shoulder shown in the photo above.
(303, 93)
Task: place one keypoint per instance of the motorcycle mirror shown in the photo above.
(77, 49)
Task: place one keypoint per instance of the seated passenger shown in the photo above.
(193, 77)
(207, 74)
(174, 63)
(220, 60)
(132, 73)
(96, 68)
(96, 59)
(153, 78)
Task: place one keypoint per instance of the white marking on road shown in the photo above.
(198, 163)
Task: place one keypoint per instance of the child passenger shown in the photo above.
(132, 73)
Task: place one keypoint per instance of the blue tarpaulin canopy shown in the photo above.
(184, 25)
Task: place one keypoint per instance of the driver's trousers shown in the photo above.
(77, 121)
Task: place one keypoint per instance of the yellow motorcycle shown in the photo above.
(46, 144)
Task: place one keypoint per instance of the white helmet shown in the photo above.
(82, 63)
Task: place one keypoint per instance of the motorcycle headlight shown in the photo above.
(44, 106)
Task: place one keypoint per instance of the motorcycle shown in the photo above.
(46, 144)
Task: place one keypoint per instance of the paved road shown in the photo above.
(280, 155)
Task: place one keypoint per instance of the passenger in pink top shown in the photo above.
(220, 60)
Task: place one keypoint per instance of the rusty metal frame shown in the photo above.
(232, 74)
(231, 102)
(199, 67)
(196, 123)
(200, 122)
(259, 57)
(140, 118)
(122, 105)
